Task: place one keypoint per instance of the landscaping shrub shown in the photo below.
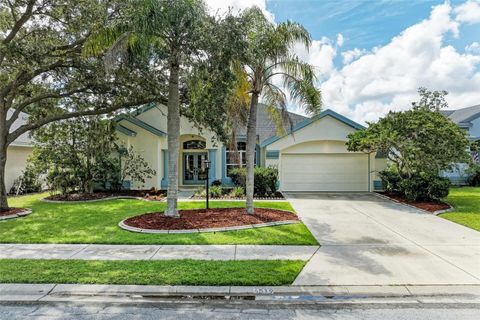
(201, 192)
(425, 186)
(28, 182)
(216, 183)
(237, 192)
(474, 175)
(215, 191)
(266, 179)
(391, 180)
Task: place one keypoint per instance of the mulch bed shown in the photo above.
(146, 194)
(430, 206)
(212, 218)
(11, 211)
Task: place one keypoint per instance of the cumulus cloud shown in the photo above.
(468, 12)
(388, 77)
(372, 82)
(473, 48)
(340, 40)
(350, 55)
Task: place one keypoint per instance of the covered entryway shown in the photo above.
(324, 172)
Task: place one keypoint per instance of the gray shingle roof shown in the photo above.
(266, 126)
(464, 115)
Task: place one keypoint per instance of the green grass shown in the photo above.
(97, 222)
(169, 272)
(466, 201)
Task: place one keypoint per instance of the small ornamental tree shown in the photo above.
(80, 154)
(419, 144)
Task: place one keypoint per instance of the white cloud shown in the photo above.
(340, 40)
(468, 12)
(222, 6)
(320, 55)
(350, 55)
(388, 77)
(473, 48)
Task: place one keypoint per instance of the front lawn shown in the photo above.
(167, 272)
(466, 201)
(97, 222)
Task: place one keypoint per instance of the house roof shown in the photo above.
(463, 116)
(24, 140)
(306, 122)
(266, 126)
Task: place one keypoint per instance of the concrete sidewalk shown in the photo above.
(155, 252)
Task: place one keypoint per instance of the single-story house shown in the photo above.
(17, 152)
(469, 120)
(312, 157)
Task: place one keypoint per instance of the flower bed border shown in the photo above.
(103, 199)
(221, 229)
(24, 213)
(244, 198)
(436, 213)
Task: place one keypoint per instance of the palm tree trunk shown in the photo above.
(173, 129)
(250, 153)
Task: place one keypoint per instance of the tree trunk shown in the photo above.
(173, 128)
(3, 159)
(250, 153)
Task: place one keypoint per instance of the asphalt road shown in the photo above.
(97, 311)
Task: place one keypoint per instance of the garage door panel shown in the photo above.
(324, 172)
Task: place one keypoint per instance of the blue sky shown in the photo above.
(364, 24)
(372, 56)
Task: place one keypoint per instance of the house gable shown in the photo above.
(328, 125)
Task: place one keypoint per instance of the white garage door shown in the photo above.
(324, 172)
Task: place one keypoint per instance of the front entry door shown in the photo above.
(194, 168)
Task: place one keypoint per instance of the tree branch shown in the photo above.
(17, 26)
(41, 122)
(26, 103)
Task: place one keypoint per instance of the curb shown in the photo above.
(223, 229)
(258, 294)
(24, 213)
(98, 200)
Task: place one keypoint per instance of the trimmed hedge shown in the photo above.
(265, 180)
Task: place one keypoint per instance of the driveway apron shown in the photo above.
(368, 240)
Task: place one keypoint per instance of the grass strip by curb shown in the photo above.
(162, 272)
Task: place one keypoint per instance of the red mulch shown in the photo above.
(146, 194)
(11, 211)
(430, 206)
(212, 218)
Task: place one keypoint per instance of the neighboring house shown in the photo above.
(468, 119)
(17, 152)
(313, 157)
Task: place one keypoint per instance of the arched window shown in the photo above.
(194, 144)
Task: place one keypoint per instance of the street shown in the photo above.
(87, 311)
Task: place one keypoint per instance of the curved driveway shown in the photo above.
(368, 240)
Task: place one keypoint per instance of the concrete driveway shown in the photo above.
(367, 240)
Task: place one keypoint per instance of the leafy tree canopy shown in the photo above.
(416, 141)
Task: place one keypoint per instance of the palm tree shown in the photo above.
(273, 70)
(169, 33)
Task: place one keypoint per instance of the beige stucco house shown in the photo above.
(17, 152)
(312, 157)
